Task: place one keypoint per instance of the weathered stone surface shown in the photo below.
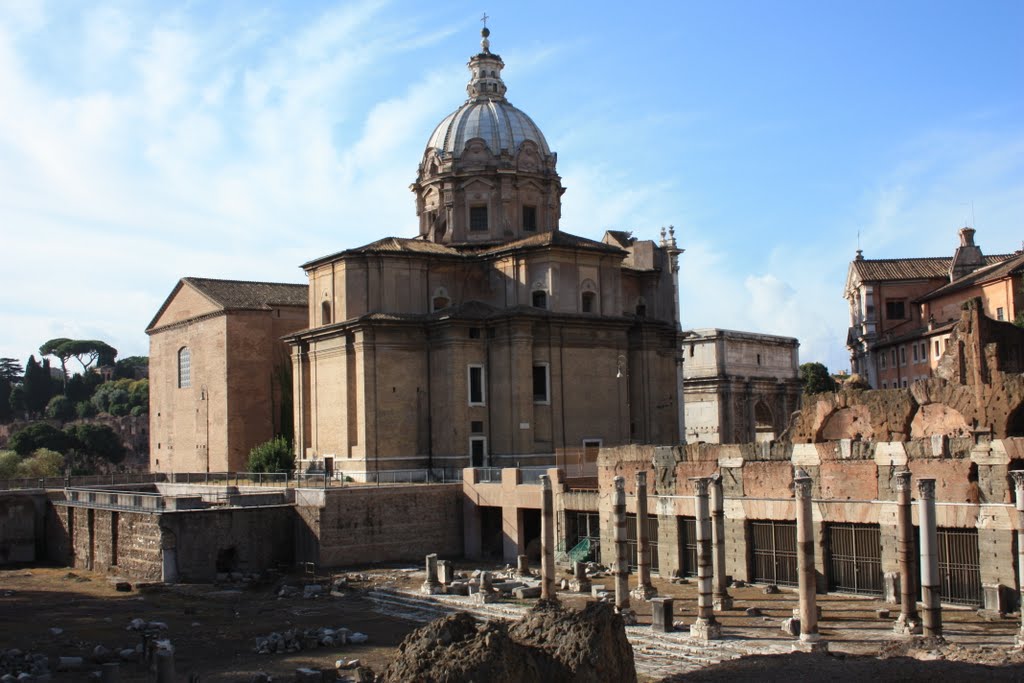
(549, 644)
(791, 626)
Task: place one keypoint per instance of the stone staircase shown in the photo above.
(656, 654)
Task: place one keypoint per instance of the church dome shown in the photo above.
(486, 114)
(496, 122)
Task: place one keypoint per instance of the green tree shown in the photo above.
(9, 461)
(85, 409)
(42, 463)
(41, 435)
(16, 399)
(6, 411)
(132, 367)
(98, 440)
(1019, 321)
(815, 379)
(38, 385)
(57, 348)
(10, 370)
(60, 408)
(81, 387)
(272, 456)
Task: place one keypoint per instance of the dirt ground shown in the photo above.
(214, 628)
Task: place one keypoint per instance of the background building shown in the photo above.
(218, 372)
(740, 387)
(492, 337)
(902, 310)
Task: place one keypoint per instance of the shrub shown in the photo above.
(42, 463)
(85, 409)
(272, 456)
(99, 440)
(41, 435)
(60, 408)
(9, 461)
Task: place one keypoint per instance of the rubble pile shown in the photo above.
(295, 640)
(550, 643)
(14, 664)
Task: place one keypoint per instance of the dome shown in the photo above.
(495, 121)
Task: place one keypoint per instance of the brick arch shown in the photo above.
(933, 419)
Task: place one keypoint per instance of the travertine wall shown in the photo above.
(22, 519)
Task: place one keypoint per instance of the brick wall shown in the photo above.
(21, 526)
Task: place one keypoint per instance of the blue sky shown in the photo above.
(142, 142)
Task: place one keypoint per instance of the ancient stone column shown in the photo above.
(720, 589)
(810, 639)
(431, 586)
(547, 539)
(644, 589)
(706, 627)
(908, 622)
(621, 569)
(930, 597)
(522, 565)
(1018, 484)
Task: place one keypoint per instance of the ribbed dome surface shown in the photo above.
(497, 122)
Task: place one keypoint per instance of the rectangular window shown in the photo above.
(937, 348)
(474, 333)
(903, 355)
(896, 310)
(924, 351)
(914, 349)
(882, 359)
(885, 385)
(894, 357)
(529, 218)
(999, 314)
(478, 218)
(477, 396)
(477, 451)
(541, 383)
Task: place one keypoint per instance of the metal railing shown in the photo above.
(272, 479)
(438, 475)
(489, 475)
(531, 475)
(117, 479)
(116, 500)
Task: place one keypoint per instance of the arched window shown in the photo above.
(441, 299)
(325, 313)
(641, 308)
(184, 368)
(588, 301)
(539, 298)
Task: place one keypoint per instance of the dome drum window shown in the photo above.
(478, 218)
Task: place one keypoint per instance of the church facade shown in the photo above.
(492, 337)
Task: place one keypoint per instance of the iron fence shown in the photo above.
(774, 552)
(120, 478)
(854, 558)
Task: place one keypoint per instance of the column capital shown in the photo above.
(700, 485)
(902, 480)
(926, 487)
(545, 482)
(620, 483)
(641, 478)
(1018, 478)
(802, 484)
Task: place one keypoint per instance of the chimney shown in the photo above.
(968, 257)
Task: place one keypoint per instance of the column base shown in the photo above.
(431, 588)
(579, 585)
(705, 629)
(643, 593)
(628, 616)
(479, 598)
(722, 603)
(907, 627)
(811, 643)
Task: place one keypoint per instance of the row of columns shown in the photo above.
(712, 591)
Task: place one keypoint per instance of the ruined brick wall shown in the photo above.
(202, 542)
(22, 517)
(360, 525)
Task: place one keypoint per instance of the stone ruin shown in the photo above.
(550, 643)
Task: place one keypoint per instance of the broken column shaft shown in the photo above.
(644, 589)
(621, 569)
(431, 586)
(810, 639)
(720, 590)
(1018, 485)
(908, 622)
(547, 539)
(705, 627)
(930, 597)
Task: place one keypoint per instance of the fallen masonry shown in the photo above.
(296, 640)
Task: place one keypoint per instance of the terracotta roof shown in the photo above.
(390, 245)
(910, 268)
(994, 271)
(242, 294)
(555, 238)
